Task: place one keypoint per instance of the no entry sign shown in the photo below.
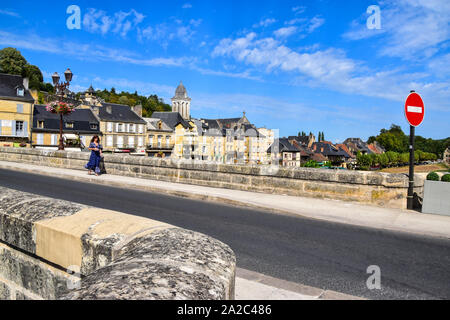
(414, 109)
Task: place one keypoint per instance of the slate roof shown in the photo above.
(152, 124)
(284, 146)
(8, 88)
(119, 113)
(172, 119)
(81, 118)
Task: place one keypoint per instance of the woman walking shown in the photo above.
(96, 156)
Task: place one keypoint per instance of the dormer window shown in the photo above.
(69, 125)
(41, 124)
(94, 126)
(20, 92)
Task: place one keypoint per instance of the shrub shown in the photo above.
(433, 176)
(311, 164)
(446, 178)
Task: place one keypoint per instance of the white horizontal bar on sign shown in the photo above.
(414, 109)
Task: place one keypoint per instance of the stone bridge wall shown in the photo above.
(375, 188)
(44, 241)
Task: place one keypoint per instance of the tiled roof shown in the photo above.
(8, 88)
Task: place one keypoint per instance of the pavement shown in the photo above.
(322, 209)
(281, 254)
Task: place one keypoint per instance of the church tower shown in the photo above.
(181, 103)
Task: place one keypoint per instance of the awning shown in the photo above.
(70, 136)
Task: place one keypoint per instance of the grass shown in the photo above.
(439, 167)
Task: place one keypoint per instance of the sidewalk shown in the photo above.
(329, 210)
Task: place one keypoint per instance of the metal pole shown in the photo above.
(410, 203)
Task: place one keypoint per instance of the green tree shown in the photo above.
(12, 61)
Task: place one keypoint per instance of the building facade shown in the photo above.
(78, 129)
(16, 111)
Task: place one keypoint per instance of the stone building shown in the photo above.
(78, 129)
(16, 111)
(446, 157)
(181, 103)
(160, 138)
(123, 128)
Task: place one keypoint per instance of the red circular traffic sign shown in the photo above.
(414, 109)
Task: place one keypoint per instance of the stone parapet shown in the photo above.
(43, 241)
(376, 188)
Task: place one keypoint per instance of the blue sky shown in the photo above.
(290, 65)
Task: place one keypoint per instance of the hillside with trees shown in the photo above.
(396, 140)
(149, 104)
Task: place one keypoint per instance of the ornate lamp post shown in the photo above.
(60, 107)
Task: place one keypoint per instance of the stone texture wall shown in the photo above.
(375, 188)
(44, 241)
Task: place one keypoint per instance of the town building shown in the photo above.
(160, 138)
(446, 157)
(284, 153)
(337, 156)
(356, 144)
(123, 128)
(78, 129)
(16, 111)
(231, 140)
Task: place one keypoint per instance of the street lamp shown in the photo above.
(60, 89)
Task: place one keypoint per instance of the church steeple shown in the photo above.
(181, 103)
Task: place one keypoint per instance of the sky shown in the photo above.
(290, 65)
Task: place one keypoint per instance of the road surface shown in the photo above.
(311, 252)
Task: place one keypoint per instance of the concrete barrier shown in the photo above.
(375, 188)
(436, 198)
(54, 249)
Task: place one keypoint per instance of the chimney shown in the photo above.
(138, 110)
(96, 110)
(109, 109)
(26, 82)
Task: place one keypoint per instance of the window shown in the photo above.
(20, 92)
(94, 126)
(109, 141)
(159, 141)
(54, 140)
(131, 141)
(19, 128)
(140, 141)
(141, 128)
(120, 127)
(19, 108)
(150, 140)
(69, 125)
(40, 139)
(109, 127)
(131, 128)
(41, 124)
(120, 142)
(168, 141)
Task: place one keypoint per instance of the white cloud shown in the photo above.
(298, 9)
(98, 21)
(264, 23)
(187, 6)
(315, 23)
(285, 32)
(9, 13)
(166, 32)
(84, 51)
(410, 29)
(328, 68)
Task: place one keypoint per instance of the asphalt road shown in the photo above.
(316, 253)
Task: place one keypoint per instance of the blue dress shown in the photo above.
(94, 160)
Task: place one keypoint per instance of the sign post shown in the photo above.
(414, 113)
